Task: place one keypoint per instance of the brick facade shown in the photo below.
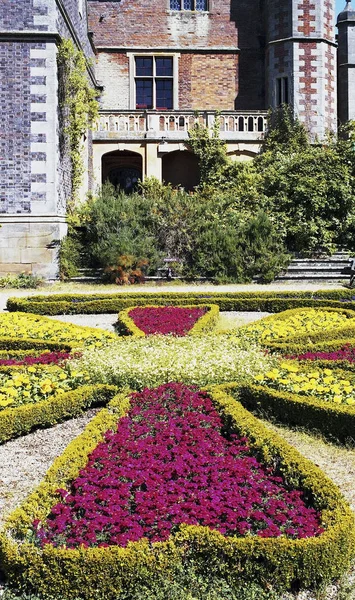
(35, 181)
(236, 56)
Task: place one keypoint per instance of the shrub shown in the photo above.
(21, 281)
(238, 301)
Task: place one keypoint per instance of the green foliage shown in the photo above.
(285, 133)
(184, 585)
(69, 257)
(78, 104)
(210, 150)
(21, 281)
(118, 225)
(271, 301)
(308, 189)
(24, 280)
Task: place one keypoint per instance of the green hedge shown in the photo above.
(239, 301)
(114, 572)
(332, 420)
(294, 348)
(126, 325)
(32, 344)
(18, 421)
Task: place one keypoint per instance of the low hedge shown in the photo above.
(126, 325)
(18, 421)
(116, 573)
(294, 348)
(228, 301)
(16, 344)
(334, 421)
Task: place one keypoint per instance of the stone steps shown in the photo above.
(335, 267)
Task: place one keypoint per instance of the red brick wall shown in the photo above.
(149, 24)
(208, 81)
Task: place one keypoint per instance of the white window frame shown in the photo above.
(132, 77)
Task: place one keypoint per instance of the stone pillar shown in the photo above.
(346, 64)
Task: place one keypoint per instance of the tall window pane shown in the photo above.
(188, 4)
(175, 4)
(144, 66)
(201, 4)
(144, 93)
(164, 91)
(164, 67)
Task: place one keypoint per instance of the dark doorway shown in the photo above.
(180, 168)
(123, 169)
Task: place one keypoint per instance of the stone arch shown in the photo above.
(122, 168)
(180, 168)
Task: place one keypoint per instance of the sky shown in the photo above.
(339, 5)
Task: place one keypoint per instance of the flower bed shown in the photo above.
(46, 358)
(168, 464)
(165, 320)
(116, 571)
(32, 384)
(306, 324)
(345, 353)
(328, 385)
(31, 328)
(149, 361)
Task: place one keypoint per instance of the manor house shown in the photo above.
(160, 67)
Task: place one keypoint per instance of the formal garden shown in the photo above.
(180, 486)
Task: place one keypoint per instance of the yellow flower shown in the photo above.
(337, 399)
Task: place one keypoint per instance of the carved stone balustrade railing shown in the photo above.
(174, 125)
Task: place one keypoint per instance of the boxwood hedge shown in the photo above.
(114, 572)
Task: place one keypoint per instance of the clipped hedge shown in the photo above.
(126, 325)
(335, 421)
(292, 348)
(17, 344)
(269, 301)
(18, 421)
(115, 572)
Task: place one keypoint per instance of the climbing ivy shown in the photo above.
(210, 150)
(78, 105)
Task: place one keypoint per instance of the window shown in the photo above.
(201, 5)
(154, 82)
(282, 93)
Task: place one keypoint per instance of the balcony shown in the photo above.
(234, 126)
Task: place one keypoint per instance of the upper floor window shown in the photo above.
(282, 91)
(154, 82)
(201, 5)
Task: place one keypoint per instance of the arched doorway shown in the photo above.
(180, 168)
(123, 169)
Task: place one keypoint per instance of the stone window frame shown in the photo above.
(282, 90)
(186, 11)
(132, 79)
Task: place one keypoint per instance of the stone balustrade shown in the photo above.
(174, 125)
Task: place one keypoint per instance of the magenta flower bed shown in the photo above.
(163, 320)
(345, 353)
(44, 359)
(168, 463)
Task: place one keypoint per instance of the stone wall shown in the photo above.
(35, 177)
